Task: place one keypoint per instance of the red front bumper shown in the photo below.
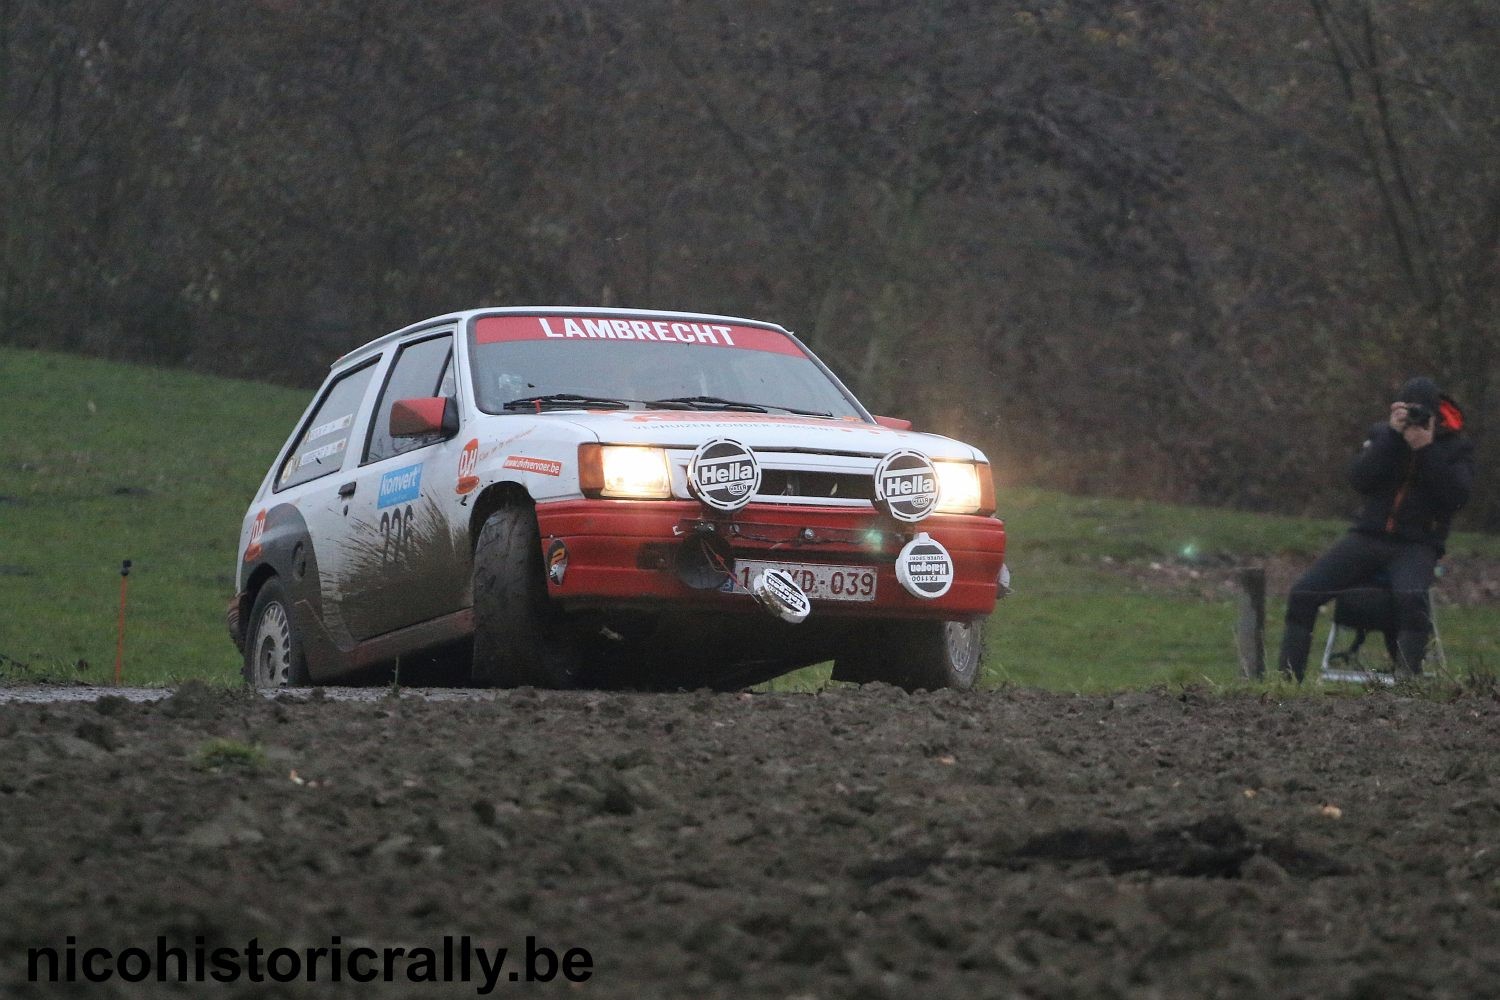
(621, 552)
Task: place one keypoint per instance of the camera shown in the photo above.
(1418, 415)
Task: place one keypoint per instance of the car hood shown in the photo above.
(760, 431)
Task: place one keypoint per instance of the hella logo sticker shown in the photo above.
(724, 474)
(924, 567)
(906, 485)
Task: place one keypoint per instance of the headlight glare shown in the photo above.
(964, 488)
(624, 472)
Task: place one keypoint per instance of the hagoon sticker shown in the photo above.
(399, 486)
(924, 567)
(467, 481)
(252, 550)
(541, 466)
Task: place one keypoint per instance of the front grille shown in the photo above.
(816, 485)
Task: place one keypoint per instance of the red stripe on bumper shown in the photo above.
(606, 539)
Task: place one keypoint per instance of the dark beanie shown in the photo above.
(1421, 390)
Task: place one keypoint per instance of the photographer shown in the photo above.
(1413, 473)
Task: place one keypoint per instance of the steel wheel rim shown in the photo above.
(962, 639)
(273, 648)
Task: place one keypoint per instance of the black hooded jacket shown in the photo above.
(1411, 496)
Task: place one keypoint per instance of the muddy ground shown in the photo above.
(856, 843)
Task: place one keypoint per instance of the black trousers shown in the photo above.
(1355, 560)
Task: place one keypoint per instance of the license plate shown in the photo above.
(819, 581)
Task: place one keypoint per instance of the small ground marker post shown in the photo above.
(120, 639)
(1250, 629)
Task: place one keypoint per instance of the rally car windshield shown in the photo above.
(679, 364)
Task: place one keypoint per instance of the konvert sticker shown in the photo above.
(906, 485)
(723, 474)
(467, 460)
(924, 567)
(399, 486)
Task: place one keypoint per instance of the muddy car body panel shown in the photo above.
(592, 418)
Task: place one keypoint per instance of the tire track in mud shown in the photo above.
(855, 843)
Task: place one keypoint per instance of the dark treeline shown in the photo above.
(1173, 248)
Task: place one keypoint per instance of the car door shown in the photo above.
(302, 534)
(405, 560)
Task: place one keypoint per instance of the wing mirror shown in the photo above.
(894, 423)
(421, 416)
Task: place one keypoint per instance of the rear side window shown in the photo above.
(321, 448)
(421, 369)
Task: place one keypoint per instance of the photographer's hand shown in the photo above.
(1419, 437)
(1398, 417)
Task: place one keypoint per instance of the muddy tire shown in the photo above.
(520, 636)
(273, 650)
(917, 656)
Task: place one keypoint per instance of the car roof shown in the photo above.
(379, 343)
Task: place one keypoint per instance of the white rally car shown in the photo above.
(611, 497)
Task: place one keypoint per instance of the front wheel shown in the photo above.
(520, 636)
(917, 656)
(273, 652)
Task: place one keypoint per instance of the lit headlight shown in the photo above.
(964, 488)
(624, 471)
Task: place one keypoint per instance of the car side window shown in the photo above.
(321, 448)
(422, 369)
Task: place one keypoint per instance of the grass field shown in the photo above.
(104, 462)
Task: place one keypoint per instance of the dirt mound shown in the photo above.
(857, 843)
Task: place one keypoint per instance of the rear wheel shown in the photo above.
(273, 650)
(917, 656)
(520, 636)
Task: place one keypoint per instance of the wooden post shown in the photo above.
(1250, 629)
(120, 636)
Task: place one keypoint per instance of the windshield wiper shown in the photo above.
(718, 403)
(569, 400)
